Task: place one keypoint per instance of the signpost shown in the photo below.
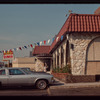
(7, 56)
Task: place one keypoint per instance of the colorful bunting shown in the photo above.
(31, 45)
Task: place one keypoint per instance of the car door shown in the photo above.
(3, 77)
(18, 77)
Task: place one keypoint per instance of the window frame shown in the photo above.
(16, 73)
(4, 72)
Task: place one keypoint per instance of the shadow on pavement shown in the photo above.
(57, 82)
(18, 88)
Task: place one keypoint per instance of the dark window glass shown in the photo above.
(2, 72)
(15, 72)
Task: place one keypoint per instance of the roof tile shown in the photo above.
(79, 23)
(41, 50)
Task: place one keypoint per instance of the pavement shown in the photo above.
(59, 84)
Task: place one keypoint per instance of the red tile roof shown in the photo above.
(41, 50)
(79, 23)
(97, 11)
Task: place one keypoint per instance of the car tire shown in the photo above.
(0, 85)
(41, 84)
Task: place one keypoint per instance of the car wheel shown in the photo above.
(41, 84)
(0, 85)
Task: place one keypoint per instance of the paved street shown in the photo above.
(58, 89)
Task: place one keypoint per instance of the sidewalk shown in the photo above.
(59, 84)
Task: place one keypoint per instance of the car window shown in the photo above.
(26, 71)
(2, 72)
(15, 72)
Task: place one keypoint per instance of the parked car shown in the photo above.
(20, 77)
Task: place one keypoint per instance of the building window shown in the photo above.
(2, 72)
(55, 61)
(62, 56)
(57, 57)
(67, 52)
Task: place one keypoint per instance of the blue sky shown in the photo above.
(24, 24)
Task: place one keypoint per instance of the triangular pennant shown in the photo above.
(41, 43)
(4, 51)
(31, 45)
(53, 39)
(17, 48)
(62, 37)
(8, 51)
(35, 44)
(48, 41)
(38, 43)
(25, 47)
(12, 49)
(20, 48)
(28, 45)
(57, 38)
(44, 42)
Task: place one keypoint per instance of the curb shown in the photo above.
(74, 85)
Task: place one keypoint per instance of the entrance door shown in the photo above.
(93, 57)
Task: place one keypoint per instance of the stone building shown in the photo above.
(80, 45)
(41, 53)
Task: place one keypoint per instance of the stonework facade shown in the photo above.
(78, 53)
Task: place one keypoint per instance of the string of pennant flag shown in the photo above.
(33, 45)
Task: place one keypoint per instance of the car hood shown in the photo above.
(40, 73)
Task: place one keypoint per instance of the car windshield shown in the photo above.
(26, 71)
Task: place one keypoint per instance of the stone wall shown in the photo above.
(39, 66)
(80, 78)
(65, 77)
(78, 53)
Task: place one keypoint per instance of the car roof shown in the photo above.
(13, 67)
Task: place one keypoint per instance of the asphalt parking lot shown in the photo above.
(58, 89)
